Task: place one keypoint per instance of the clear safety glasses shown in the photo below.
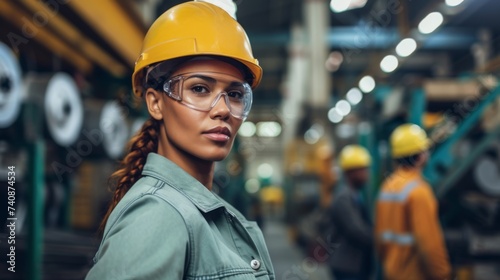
(202, 91)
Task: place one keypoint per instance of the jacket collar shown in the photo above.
(165, 170)
(407, 173)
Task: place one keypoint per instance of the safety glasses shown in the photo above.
(201, 91)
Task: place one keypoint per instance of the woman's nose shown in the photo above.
(220, 106)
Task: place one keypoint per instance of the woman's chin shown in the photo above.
(208, 155)
(218, 157)
(216, 154)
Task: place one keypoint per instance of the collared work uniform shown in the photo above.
(169, 226)
(408, 236)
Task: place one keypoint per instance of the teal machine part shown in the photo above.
(462, 166)
(35, 211)
(370, 139)
(381, 92)
(35, 145)
(367, 140)
(442, 157)
(417, 109)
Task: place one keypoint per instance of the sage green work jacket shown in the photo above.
(169, 226)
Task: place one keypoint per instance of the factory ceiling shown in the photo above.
(93, 39)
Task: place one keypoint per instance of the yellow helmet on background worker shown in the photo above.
(408, 140)
(195, 28)
(353, 157)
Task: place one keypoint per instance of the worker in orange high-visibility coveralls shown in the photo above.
(408, 236)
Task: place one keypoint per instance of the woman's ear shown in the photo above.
(154, 103)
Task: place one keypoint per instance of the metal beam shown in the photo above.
(442, 157)
(370, 37)
(459, 169)
(111, 21)
(30, 31)
(76, 39)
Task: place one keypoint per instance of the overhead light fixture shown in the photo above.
(268, 129)
(334, 116)
(339, 6)
(354, 96)
(227, 5)
(252, 185)
(247, 129)
(265, 170)
(367, 84)
(453, 3)
(389, 64)
(406, 47)
(430, 23)
(343, 107)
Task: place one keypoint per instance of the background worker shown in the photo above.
(350, 219)
(409, 240)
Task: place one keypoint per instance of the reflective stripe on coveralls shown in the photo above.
(389, 236)
(399, 196)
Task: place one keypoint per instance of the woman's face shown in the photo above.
(194, 134)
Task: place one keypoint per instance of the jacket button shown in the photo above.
(255, 264)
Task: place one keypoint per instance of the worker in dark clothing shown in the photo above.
(352, 228)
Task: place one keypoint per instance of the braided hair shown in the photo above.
(143, 143)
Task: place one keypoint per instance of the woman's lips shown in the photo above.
(217, 137)
(219, 133)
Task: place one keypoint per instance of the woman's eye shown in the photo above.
(199, 89)
(235, 94)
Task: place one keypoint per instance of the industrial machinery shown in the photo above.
(49, 136)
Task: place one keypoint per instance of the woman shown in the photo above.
(196, 73)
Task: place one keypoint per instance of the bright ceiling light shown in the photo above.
(247, 129)
(367, 84)
(252, 185)
(406, 47)
(227, 5)
(268, 129)
(343, 107)
(334, 116)
(339, 6)
(354, 96)
(430, 23)
(454, 3)
(389, 64)
(265, 170)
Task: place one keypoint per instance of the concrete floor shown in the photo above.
(288, 260)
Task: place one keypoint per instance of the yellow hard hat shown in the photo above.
(407, 140)
(354, 156)
(195, 28)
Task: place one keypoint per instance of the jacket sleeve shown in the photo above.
(149, 240)
(427, 232)
(350, 223)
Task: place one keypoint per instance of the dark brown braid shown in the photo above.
(143, 143)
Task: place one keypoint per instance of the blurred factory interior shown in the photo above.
(335, 73)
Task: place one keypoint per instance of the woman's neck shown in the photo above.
(203, 171)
